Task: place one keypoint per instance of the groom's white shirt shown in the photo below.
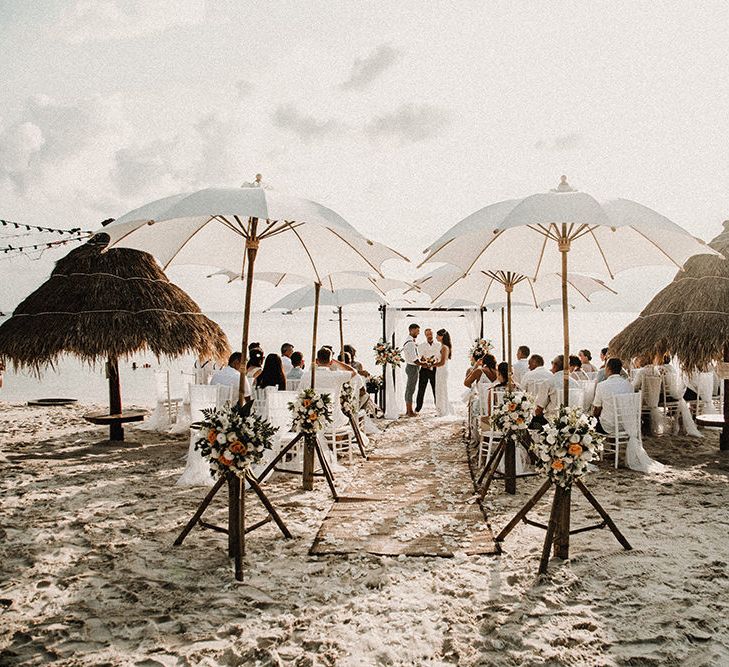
(410, 351)
(426, 349)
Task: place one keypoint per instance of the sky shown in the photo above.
(403, 117)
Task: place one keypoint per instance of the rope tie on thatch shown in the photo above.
(112, 311)
(110, 275)
(685, 312)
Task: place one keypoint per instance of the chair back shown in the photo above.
(278, 409)
(482, 390)
(260, 402)
(575, 398)
(226, 394)
(626, 413)
(293, 384)
(202, 397)
(533, 386)
(162, 382)
(496, 397)
(652, 390)
(592, 376)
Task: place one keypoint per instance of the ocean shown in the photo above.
(540, 330)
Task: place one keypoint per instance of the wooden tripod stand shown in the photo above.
(558, 528)
(505, 449)
(236, 530)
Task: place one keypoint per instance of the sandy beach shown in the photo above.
(90, 577)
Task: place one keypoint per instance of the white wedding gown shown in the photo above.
(442, 403)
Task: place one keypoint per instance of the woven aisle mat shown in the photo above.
(414, 496)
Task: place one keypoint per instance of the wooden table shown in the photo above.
(715, 420)
(115, 422)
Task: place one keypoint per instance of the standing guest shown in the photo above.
(297, 366)
(412, 366)
(230, 375)
(536, 375)
(602, 405)
(287, 349)
(429, 351)
(521, 365)
(484, 370)
(586, 359)
(272, 374)
(356, 364)
(255, 364)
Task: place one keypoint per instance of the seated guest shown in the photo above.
(347, 359)
(272, 374)
(576, 371)
(230, 375)
(602, 405)
(551, 394)
(287, 349)
(255, 364)
(586, 359)
(502, 375)
(644, 368)
(603, 357)
(670, 377)
(521, 365)
(484, 370)
(356, 364)
(601, 372)
(255, 346)
(535, 376)
(297, 366)
(325, 362)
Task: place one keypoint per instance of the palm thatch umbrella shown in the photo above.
(106, 306)
(688, 318)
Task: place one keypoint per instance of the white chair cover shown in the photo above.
(627, 410)
(588, 393)
(705, 391)
(394, 388)
(651, 398)
(197, 470)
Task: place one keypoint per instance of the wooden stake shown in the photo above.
(308, 467)
(510, 467)
(116, 430)
(563, 498)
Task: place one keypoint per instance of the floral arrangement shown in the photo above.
(233, 440)
(311, 411)
(566, 444)
(386, 353)
(480, 348)
(513, 415)
(373, 384)
(347, 399)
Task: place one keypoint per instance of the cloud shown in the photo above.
(100, 20)
(411, 122)
(243, 88)
(366, 70)
(564, 142)
(18, 145)
(305, 126)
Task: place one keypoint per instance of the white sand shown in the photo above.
(89, 575)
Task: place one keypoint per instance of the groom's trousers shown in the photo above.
(427, 375)
(411, 372)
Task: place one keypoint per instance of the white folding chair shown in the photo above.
(202, 397)
(488, 397)
(293, 384)
(338, 436)
(626, 419)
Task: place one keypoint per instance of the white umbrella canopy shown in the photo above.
(604, 237)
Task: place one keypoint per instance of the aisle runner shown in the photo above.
(416, 490)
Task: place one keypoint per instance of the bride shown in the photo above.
(442, 404)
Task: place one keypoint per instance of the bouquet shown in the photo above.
(347, 399)
(233, 440)
(386, 353)
(566, 444)
(373, 384)
(311, 412)
(513, 416)
(429, 362)
(480, 348)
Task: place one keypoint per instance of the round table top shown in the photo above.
(126, 416)
(713, 419)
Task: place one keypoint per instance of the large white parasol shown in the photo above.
(600, 237)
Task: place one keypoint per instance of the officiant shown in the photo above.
(429, 351)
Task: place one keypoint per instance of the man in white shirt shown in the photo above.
(613, 384)
(551, 394)
(535, 376)
(230, 375)
(412, 366)
(521, 365)
(430, 349)
(287, 349)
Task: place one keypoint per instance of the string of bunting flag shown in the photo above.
(42, 246)
(37, 228)
(70, 235)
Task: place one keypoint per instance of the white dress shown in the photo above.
(442, 403)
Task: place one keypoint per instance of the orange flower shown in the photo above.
(520, 420)
(306, 402)
(512, 407)
(574, 450)
(313, 417)
(558, 464)
(238, 448)
(224, 461)
(212, 436)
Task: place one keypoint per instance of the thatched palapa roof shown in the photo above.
(689, 317)
(98, 305)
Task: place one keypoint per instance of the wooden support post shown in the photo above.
(563, 499)
(267, 504)
(341, 333)
(724, 437)
(251, 250)
(308, 466)
(200, 510)
(603, 514)
(521, 514)
(116, 429)
(236, 523)
(510, 466)
(549, 537)
(503, 336)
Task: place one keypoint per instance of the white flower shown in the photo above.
(221, 438)
(574, 438)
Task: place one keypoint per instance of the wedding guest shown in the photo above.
(576, 371)
(670, 378)
(484, 371)
(644, 368)
(521, 365)
(412, 366)
(551, 394)
(255, 364)
(325, 361)
(346, 358)
(297, 366)
(601, 373)
(272, 374)
(586, 359)
(230, 374)
(356, 364)
(602, 404)
(287, 349)
(502, 374)
(429, 351)
(536, 375)
(255, 346)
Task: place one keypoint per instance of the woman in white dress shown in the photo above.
(442, 404)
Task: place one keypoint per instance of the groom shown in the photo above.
(412, 366)
(429, 352)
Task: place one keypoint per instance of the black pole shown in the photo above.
(383, 404)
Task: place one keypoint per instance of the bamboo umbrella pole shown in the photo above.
(503, 335)
(307, 476)
(509, 287)
(317, 290)
(564, 248)
(341, 333)
(250, 257)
